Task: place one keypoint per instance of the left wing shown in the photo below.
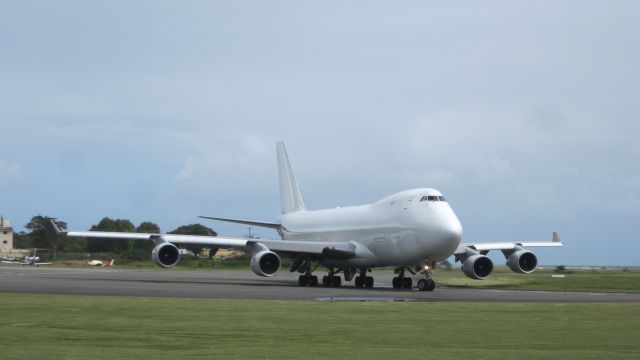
(476, 265)
(484, 248)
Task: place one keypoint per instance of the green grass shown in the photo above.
(81, 327)
(601, 280)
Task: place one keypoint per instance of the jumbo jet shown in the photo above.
(409, 231)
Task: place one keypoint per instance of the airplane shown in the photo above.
(29, 260)
(409, 231)
(101, 262)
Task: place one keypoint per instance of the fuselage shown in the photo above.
(403, 229)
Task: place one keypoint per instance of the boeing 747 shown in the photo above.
(409, 231)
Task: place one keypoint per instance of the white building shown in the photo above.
(6, 236)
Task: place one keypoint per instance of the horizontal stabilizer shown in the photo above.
(246, 222)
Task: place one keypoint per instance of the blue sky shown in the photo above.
(524, 114)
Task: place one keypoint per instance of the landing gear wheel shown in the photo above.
(325, 281)
(336, 281)
(313, 281)
(426, 284)
(431, 285)
(407, 283)
(359, 282)
(396, 282)
(368, 282)
(303, 280)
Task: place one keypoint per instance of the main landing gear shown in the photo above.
(363, 280)
(400, 281)
(308, 280)
(331, 280)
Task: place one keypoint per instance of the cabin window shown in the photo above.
(432, 198)
(441, 198)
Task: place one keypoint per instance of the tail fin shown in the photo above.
(289, 194)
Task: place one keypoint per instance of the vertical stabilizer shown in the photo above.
(289, 194)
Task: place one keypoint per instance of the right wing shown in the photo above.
(326, 249)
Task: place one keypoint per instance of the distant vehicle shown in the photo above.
(410, 231)
(101, 262)
(34, 259)
(9, 258)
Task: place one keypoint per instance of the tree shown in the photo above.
(21, 240)
(194, 229)
(43, 235)
(110, 245)
(148, 227)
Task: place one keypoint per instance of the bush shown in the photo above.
(133, 255)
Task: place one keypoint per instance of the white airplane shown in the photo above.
(101, 262)
(409, 231)
(29, 260)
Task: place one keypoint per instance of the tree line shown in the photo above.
(41, 234)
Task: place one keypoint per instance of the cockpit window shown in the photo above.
(432, 198)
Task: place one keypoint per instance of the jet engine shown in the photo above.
(477, 267)
(265, 263)
(522, 261)
(165, 255)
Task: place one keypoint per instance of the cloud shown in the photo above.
(10, 172)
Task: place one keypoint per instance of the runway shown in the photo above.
(243, 284)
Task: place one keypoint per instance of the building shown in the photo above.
(6, 236)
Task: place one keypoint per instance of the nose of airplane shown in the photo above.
(451, 230)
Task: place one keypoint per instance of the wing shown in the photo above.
(484, 248)
(336, 250)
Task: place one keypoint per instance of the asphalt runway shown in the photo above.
(243, 284)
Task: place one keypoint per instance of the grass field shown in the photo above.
(80, 327)
(600, 280)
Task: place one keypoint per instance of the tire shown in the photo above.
(336, 281)
(359, 282)
(396, 282)
(368, 282)
(313, 281)
(431, 285)
(302, 280)
(325, 281)
(422, 284)
(407, 283)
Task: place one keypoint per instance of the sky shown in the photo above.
(524, 114)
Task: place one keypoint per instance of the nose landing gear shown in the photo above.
(426, 284)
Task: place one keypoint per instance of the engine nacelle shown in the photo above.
(165, 255)
(265, 263)
(523, 261)
(477, 267)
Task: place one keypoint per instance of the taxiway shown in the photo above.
(243, 284)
